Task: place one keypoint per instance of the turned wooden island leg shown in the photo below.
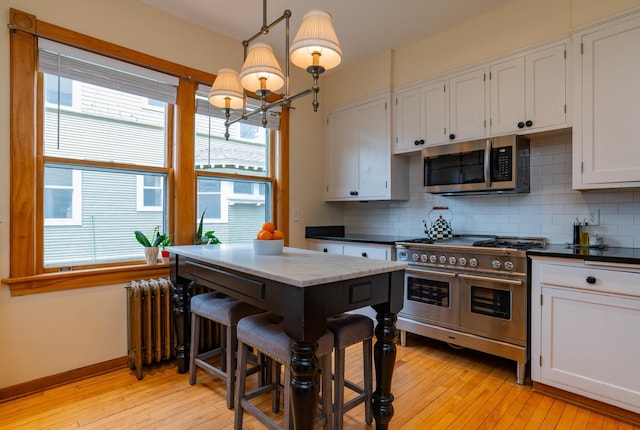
(181, 310)
(384, 355)
(304, 384)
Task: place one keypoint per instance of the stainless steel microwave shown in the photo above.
(492, 165)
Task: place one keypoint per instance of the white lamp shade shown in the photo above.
(261, 63)
(226, 86)
(316, 34)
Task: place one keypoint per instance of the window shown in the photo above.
(91, 147)
(234, 208)
(62, 196)
(113, 135)
(150, 192)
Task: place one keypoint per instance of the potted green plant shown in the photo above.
(206, 238)
(151, 246)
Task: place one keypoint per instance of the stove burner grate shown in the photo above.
(519, 245)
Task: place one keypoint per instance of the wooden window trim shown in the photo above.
(27, 275)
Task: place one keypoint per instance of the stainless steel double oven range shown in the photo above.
(469, 291)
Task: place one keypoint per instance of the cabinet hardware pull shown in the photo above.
(591, 280)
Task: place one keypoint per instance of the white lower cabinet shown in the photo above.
(585, 329)
(355, 249)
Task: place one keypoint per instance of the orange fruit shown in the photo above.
(278, 234)
(264, 235)
(268, 226)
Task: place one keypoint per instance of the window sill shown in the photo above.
(60, 281)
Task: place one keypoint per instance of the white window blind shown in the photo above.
(77, 64)
(203, 107)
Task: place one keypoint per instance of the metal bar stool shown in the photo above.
(349, 329)
(225, 311)
(265, 333)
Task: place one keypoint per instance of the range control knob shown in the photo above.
(433, 259)
(442, 259)
(462, 261)
(473, 262)
(452, 260)
(508, 265)
(496, 264)
(415, 257)
(424, 258)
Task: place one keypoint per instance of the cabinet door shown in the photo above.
(507, 96)
(606, 125)
(589, 345)
(374, 153)
(407, 121)
(467, 105)
(546, 88)
(433, 113)
(342, 155)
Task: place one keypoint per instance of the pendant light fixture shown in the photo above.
(315, 49)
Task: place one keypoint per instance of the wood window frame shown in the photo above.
(27, 273)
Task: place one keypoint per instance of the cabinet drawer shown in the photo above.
(367, 251)
(586, 277)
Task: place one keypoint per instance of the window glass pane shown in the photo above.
(105, 232)
(102, 124)
(234, 217)
(243, 187)
(245, 152)
(65, 90)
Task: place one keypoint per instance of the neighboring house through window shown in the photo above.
(105, 144)
(234, 180)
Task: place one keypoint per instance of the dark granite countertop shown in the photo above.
(607, 254)
(337, 233)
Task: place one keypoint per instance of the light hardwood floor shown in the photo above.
(435, 387)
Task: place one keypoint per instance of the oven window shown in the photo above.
(491, 302)
(428, 291)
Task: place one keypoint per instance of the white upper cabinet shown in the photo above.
(528, 92)
(421, 117)
(606, 153)
(359, 164)
(468, 105)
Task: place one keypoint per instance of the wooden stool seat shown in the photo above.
(225, 311)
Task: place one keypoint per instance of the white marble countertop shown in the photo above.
(298, 267)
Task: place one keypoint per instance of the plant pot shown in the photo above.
(151, 254)
(165, 256)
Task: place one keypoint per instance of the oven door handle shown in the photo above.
(498, 280)
(430, 272)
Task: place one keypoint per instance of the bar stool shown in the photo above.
(349, 329)
(225, 311)
(265, 333)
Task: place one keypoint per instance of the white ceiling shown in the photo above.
(364, 27)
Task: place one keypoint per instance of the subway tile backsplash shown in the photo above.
(549, 210)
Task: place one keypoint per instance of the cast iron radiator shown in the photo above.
(151, 331)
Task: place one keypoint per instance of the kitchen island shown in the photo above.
(304, 287)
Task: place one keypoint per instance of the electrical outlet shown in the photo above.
(594, 217)
(296, 215)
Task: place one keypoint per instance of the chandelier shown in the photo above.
(315, 49)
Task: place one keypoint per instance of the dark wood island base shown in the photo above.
(305, 304)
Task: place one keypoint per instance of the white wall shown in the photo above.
(549, 210)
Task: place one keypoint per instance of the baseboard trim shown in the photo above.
(41, 384)
(591, 404)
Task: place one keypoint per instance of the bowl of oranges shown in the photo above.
(269, 240)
